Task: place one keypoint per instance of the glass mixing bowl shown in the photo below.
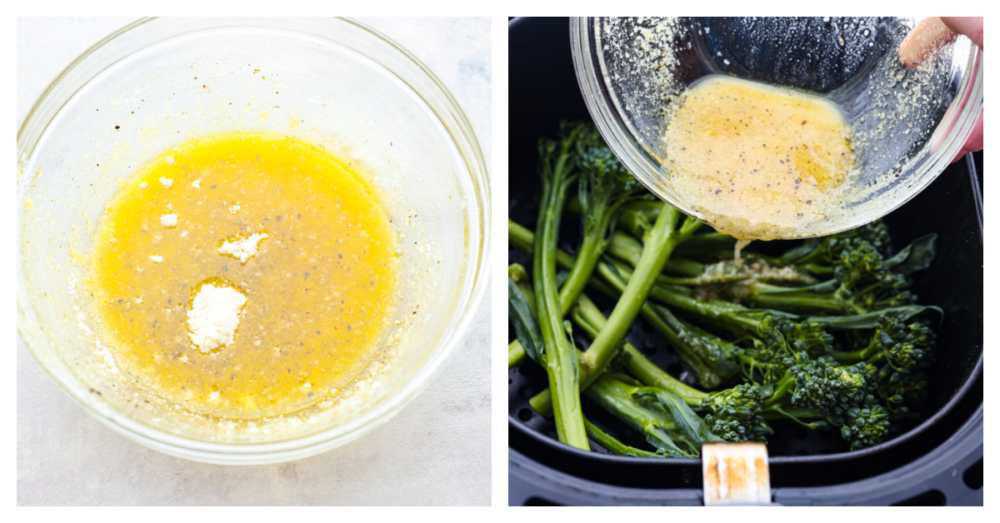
(907, 124)
(333, 83)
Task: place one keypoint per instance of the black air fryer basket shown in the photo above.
(936, 460)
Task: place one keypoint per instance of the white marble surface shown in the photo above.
(435, 452)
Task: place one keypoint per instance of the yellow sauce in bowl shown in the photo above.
(758, 162)
(319, 287)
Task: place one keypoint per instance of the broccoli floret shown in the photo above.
(807, 337)
(905, 347)
(865, 426)
(823, 386)
(902, 352)
(902, 392)
(819, 255)
(866, 282)
(839, 396)
(735, 414)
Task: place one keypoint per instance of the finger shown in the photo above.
(975, 141)
(971, 26)
(924, 41)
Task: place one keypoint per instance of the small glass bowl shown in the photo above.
(333, 83)
(913, 122)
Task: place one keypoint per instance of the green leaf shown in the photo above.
(524, 322)
(665, 444)
(794, 254)
(683, 416)
(914, 257)
(561, 278)
(519, 274)
(568, 328)
(767, 390)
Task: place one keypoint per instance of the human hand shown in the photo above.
(972, 27)
(922, 44)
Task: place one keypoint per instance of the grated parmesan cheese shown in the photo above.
(242, 249)
(157, 259)
(214, 316)
(196, 184)
(143, 185)
(168, 220)
(166, 182)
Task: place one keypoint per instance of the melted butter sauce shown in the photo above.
(758, 162)
(319, 289)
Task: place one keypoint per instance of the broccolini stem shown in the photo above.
(614, 446)
(627, 248)
(717, 313)
(870, 354)
(559, 358)
(515, 354)
(583, 267)
(659, 243)
(589, 318)
(679, 336)
(780, 298)
(660, 430)
(523, 240)
(799, 304)
(778, 398)
(651, 375)
(797, 415)
(622, 246)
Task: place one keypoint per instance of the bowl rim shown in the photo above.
(604, 109)
(446, 108)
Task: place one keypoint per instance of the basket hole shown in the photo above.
(973, 476)
(525, 392)
(540, 502)
(931, 498)
(524, 414)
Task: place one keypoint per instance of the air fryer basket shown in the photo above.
(804, 464)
